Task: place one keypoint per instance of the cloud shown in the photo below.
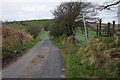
(31, 10)
(109, 15)
(22, 10)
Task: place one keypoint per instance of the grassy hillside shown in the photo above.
(37, 22)
(97, 58)
(18, 26)
(22, 25)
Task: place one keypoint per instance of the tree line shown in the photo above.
(68, 16)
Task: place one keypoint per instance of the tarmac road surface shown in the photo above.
(42, 61)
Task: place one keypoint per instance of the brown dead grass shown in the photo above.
(12, 37)
(101, 55)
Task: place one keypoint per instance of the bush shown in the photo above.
(56, 30)
(34, 30)
(11, 38)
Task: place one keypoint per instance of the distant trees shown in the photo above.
(34, 30)
(46, 26)
(68, 16)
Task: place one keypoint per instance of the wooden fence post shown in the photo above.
(97, 31)
(113, 33)
(108, 32)
(100, 27)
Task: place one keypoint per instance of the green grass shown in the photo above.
(18, 26)
(108, 40)
(73, 56)
(91, 32)
(81, 35)
(30, 23)
(41, 35)
(72, 66)
(37, 22)
(70, 60)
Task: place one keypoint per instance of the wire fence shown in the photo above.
(80, 38)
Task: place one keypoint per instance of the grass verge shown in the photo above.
(70, 60)
(97, 58)
(30, 44)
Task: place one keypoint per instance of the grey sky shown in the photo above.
(40, 9)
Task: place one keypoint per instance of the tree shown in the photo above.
(68, 15)
(34, 30)
(109, 4)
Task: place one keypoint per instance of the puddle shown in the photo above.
(63, 76)
(36, 59)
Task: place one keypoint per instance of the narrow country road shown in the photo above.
(42, 61)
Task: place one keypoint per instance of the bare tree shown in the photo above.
(34, 30)
(68, 15)
(109, 4)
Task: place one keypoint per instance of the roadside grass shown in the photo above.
(68, 52)
(98, 59)
(92, 59)
(41, 35)
(18, 26)
(15, 52)
(30, 44)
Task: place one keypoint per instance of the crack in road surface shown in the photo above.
(42, 61)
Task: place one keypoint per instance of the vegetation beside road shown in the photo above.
(30, 44)
(97, 57)
(93, 59)
(16, 41)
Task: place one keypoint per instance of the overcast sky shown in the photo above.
(41, 9)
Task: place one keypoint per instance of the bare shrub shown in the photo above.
(34, 30)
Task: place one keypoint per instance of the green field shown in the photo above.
(29, 23)
(37, 22)
(18, 26)
(81, 35)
